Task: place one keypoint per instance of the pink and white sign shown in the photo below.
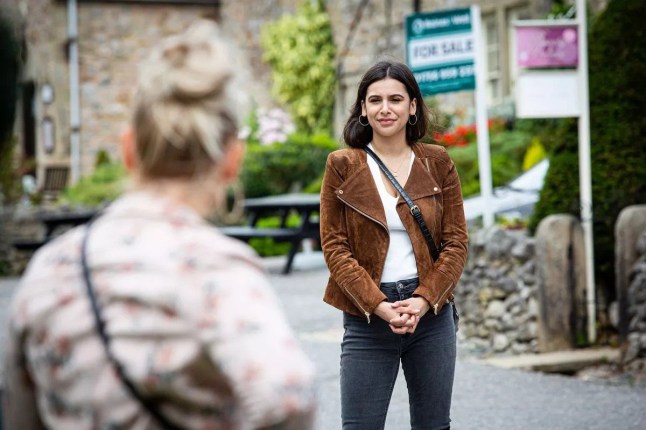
(547, 46)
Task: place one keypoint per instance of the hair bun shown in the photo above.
(189, 103)
(188, 67)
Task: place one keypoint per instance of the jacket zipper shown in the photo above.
(366, 313)
(437, 305)
(364, 214)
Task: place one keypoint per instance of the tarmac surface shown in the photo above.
(484, 397)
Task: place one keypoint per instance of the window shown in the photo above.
(49, 140)
(492, 52)
(173, 2)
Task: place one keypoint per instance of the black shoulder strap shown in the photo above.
(414, 210)
(149, 405)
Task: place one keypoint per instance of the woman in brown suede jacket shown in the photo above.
(396, 300)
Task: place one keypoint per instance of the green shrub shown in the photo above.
(284, 167)
(266, 247)
(102, 157)
(617, 66)
(315, 186)
(10, 186)
(103, 185)
(507, 152)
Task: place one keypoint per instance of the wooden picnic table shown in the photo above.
(52, 221)
(307, 206)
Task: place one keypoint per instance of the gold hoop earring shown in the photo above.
(365, 125)
(235, 213)
(412, 123)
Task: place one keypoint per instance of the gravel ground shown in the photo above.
(484, 397)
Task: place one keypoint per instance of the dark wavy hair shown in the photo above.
(358, 136)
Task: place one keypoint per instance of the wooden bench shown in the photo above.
(52, 221)
(28, 244)
(295, 236)
(306, 205)
(246, 233)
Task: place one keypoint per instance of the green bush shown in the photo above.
(284, 167)
(103, 185)
(266, 247)
(560, 193)
(10, 186)
(617, 66)
(507, 153)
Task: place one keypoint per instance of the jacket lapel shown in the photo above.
(360, 192)
(420, 182)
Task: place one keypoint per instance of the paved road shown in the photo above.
(484, 397)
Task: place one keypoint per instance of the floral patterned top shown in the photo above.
(191, 316)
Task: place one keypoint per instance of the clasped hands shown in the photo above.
(404, 315)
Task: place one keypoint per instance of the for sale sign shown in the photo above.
(440, 50)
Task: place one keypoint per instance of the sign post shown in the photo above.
(585, 171)
(561, 93)
(446, 54)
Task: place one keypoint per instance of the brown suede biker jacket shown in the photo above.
(354, 233)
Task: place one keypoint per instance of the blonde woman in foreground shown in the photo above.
(193, 335)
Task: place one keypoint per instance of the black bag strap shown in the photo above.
(148, 404)
(414, 209)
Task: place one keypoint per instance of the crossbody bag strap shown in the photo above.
(148, 404)
(414, 209)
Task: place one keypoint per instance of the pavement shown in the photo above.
(484, 396)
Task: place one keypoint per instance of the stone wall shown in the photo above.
(17, 223)
(497, 294)
(635, 354)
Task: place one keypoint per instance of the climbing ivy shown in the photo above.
(300, 49)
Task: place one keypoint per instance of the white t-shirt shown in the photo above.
(400, 260)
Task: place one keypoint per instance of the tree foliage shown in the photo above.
(301, 50)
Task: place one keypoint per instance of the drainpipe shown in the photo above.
(75, 117)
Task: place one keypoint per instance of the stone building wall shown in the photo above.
(113, 39)
(114, 36)
(242, 22)
(45, 37)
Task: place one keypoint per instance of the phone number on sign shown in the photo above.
(443, 74)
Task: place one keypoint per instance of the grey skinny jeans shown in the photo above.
(370, 358)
